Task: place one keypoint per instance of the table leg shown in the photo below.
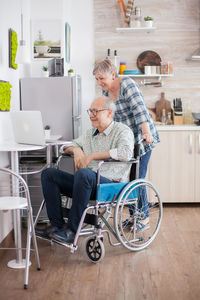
(17, 263)
(48, 154)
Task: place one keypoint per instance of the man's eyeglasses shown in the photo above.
(95, 111)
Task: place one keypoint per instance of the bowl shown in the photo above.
(196, 116)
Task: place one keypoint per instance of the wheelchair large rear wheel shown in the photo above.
(146, 214)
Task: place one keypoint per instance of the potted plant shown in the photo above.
(71, 72)
(148, 21)
(47, 132)
(45, 71)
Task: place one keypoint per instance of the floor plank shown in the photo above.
(168, 269)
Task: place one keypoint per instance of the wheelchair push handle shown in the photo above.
(140, 141)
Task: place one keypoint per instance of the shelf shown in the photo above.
(144, 29)
(147, 76)
(145, 83)
(131, 29)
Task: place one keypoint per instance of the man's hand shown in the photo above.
(84, 161)
(78, 157)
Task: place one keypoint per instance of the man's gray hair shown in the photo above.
(104, 67)
(109, 104)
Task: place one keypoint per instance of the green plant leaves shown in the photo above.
(5, 95)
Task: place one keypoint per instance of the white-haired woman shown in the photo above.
(131, 110)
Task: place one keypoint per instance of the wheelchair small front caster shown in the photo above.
(95, 249)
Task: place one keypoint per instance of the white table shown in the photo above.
(14, 149)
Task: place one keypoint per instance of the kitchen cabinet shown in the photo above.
(197, 165)
(174, 166)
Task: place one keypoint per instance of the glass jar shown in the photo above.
(164, 68)
(135, 21)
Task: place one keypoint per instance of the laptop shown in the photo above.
(28, 127)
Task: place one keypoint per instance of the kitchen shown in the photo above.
(175, 38)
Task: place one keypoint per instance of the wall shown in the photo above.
(177, 37)
(82, 56)
(82, 41)
(9, 18)
(82, 24)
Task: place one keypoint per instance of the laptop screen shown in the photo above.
(28, 127)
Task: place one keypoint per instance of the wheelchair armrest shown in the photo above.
(132, 160)
(60, 157)
(66, 154)
(101, 162)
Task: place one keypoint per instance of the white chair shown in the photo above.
(14, 195)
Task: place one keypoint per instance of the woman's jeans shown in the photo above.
(81, 187)
(143, 201)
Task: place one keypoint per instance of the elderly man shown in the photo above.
(107, 139)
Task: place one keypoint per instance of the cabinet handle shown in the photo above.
(199, 143)
(190, 143)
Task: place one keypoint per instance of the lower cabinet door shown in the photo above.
(197, 167)
(172, 166)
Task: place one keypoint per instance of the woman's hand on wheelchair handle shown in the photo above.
(148, 138)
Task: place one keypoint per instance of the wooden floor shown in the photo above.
(169, 269)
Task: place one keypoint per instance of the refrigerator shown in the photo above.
(59, 100)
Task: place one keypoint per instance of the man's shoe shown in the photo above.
(140, 227)
(66, 236)
(48, 231)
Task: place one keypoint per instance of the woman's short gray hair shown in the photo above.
(109, 104)
(104, 67)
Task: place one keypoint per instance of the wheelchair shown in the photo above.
(112, 207)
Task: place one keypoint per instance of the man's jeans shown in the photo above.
(143, 200)
(81, 187)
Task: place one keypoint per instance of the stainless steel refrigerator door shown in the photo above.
(76, 104)
(53, 97)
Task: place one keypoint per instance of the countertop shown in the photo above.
(192, 127)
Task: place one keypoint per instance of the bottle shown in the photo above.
(169, 120)
(116, 61)
(108, 54)
(187, 116)
(163, 118)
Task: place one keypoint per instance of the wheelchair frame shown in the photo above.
(129, 238)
